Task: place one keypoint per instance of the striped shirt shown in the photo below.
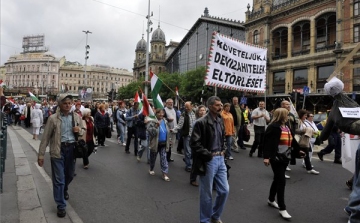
(285, 139)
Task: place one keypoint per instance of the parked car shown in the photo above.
(318, 120)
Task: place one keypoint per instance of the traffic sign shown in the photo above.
(306, 90)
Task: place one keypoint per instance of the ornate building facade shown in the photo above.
(158, 53)
(306, 41)
(193, 50)
(44, 74)
(100, 78)
(33, 71)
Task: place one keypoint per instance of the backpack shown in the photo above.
(114, 116)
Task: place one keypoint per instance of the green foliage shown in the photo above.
(170, 82)
(129, 90)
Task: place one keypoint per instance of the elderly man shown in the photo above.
(170, 116)
(208, 149)
(61, 132)
(239, 122)
(186, 122)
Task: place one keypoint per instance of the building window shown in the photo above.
(356, 33)
(256, 37)
(280, 40)
(300, 78)
(279, 82)
(356, 76)
(301, 38)
(326, 32)
(323, 72)
(356, 8)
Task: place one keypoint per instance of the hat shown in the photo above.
(62, 97)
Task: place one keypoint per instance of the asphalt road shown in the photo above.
(117, 188)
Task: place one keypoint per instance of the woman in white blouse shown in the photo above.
(36, 120)
(309, 122)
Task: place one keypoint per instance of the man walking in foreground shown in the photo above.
(60, 133)
(207, 144)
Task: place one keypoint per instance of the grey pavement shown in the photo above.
(27, 191)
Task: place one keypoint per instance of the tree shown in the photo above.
(129, 90)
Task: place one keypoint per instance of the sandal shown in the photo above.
(166, 178)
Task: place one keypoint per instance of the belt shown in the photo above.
(218, 153)
(67, 143)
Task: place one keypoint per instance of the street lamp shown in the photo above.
(87, 47)
(48, 72)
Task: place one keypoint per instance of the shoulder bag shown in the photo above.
(80, 149)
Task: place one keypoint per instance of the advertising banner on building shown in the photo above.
(236, 65)
(85, 93)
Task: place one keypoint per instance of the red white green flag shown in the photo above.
(33, 97)
(137, 99)
(155, 89)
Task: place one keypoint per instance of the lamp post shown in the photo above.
(87, 47)
(148, 31)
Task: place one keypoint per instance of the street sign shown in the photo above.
(306, 90)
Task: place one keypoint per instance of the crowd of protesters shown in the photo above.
(173, 126)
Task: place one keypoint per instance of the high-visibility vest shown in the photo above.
(246, 116)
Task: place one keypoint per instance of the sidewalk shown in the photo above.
(27, 191)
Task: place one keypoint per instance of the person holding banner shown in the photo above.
(260, 117)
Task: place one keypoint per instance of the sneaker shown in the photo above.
(236, 150)
(285, 214)
(338, 161)
(118, 140)
(216, 221)
(348, 184)
(320, 155)
(313, 172)
(151, 172)
(287, 177)
(231, 158)
(124, 144)
(273, 204)
(138, 158)
(61, 213)
(347, 211)
(288, 168)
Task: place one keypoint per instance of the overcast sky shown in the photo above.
(116, 25)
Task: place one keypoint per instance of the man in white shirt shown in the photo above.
(170, 116)
(260, 118)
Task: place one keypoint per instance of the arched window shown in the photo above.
(301, 38)
(326, 32)
(280, 40)
(256, 37)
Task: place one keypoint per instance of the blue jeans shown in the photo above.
(62, 173)
(354, 199)
(144, 145)
(229, 140)
(187, 151)
(215, 173)
(121, 128)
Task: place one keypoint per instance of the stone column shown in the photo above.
(290, 43)
(312, 35)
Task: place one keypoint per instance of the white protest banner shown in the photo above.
(350, 112)
(349, 145)
(236, 65)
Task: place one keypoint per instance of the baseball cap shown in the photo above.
(62, 97)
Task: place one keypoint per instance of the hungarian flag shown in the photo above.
(147, 110)
(2, 84)
(33, 97)
(155, 89)
(177, 98)
(137, 99)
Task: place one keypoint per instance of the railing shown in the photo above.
(3, 147)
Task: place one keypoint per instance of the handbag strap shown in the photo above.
(73, 125)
